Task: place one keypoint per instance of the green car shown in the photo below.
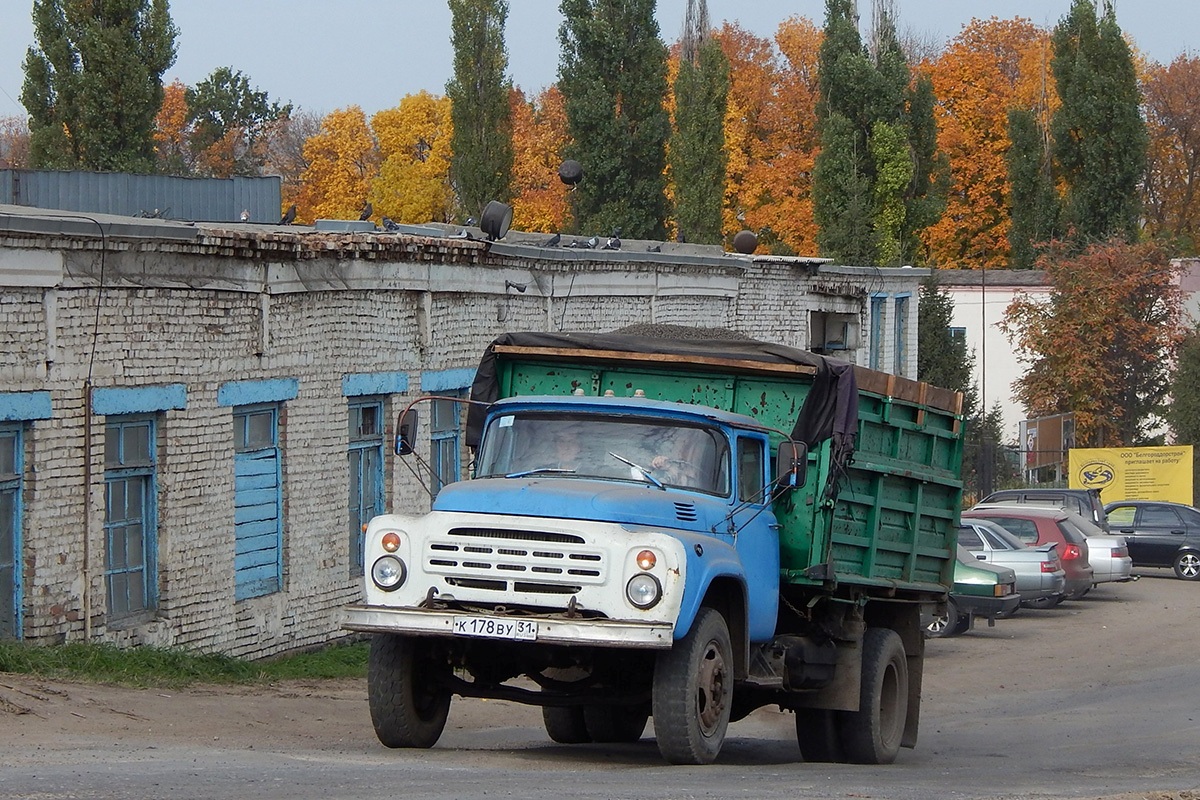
(980, 590)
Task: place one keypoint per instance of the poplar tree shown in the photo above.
(93, 82)
(613, 77)
(877, 181)
(698, 143)
(1099, 135)
(481, 165)
(1035, 204)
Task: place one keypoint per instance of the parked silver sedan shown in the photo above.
(1108, 552)
(1040, 575)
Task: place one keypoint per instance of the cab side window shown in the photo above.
(750, 470)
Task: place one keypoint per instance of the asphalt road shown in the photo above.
(1092, 699)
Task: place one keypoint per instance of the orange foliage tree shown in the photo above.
(171, 130)
(1101, 345)
(413, 184)
(342, 161)
(990, 67)
(770, 134)
(539, 136)
(1171, 189)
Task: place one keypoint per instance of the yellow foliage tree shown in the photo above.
(413, 185)
(992, 66)
(539, 136)
(171, 128)
(342, 159)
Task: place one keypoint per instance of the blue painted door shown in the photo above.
(258, 502)
(10, 533)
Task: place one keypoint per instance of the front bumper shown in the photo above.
(987, 607)
(552, 629)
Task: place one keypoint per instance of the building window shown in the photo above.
(11, 470)
(876, 355)
(130, 527)
(958, 334)
(366, 472)
(445, 443)
(901, 361)
(258, 501)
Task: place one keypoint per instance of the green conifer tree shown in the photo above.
(1035, 204)
(1099, 135)
(698, 143)
(613, 76)
(482, 161)
(93, 82)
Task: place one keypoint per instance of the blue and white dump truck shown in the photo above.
(677, 529)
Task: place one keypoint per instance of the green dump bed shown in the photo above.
(885, 520)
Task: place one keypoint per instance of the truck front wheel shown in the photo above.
(693, 692)
(408, 698)
(872, 734)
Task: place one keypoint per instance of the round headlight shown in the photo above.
(388, 572)
(643, 590)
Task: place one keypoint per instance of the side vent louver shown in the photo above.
(685, 512)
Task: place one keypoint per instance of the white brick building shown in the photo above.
(240, 384)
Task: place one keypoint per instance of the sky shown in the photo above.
(321, 55)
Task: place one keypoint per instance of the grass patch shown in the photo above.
(161, 667)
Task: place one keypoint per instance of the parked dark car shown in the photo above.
(1040, 525)
(1159, 534)
(1084, 502)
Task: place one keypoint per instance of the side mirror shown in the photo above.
(791, 466)
(406, 432)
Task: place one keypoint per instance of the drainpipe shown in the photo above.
(87, 510)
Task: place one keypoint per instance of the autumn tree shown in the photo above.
(1102, 343)
(1171, 188)
(283, 145)
(14, 143)
(481, 163)
(413, 185)
(229, 120)
(1099, 137)
(613, 77)
(539, 140)
(93, 82)
(172, 132)
(342, 160)
(697, 152)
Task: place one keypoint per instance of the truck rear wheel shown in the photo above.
(408, 699)
(872, 734)
(818, 734)
(693, 692)
(566, 724)
(616, 723)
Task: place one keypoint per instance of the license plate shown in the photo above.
(495, 628)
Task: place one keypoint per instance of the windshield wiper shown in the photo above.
(541, 471)
(645, 472)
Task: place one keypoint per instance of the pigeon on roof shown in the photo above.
(553, 240)
(289, 216)
(390, 225)
(366, 212)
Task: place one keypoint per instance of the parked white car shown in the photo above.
(1108, 552)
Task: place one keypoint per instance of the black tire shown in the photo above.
(615, 723)
(1187, 566)
(409, 702)
(947, 625)
(872, 734)
(565, 724)
(819, 737)
(693, 692)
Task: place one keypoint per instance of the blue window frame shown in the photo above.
(901, 329)
(876, 355)
(445, 442)
(258, 501)
(130, 511)
(11, 472)
(365, 455)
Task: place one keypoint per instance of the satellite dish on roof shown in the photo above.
(495, 219)
(745, 242)
(570, 172)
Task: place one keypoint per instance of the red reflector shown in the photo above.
(1072, 551)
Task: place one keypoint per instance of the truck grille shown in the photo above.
(538, 562)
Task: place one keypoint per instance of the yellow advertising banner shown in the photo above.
(1133, 473)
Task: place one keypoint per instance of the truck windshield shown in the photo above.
(687, 456)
